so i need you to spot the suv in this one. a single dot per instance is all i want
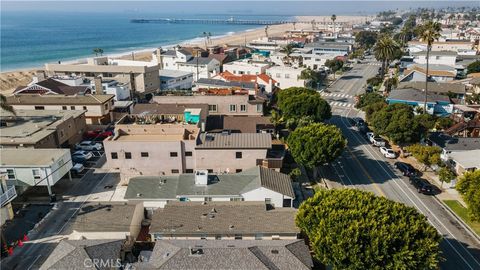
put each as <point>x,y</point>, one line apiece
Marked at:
<point>370,136</point>
<point>422,185</point>
<point>378,141</point>
<point>406,169</point>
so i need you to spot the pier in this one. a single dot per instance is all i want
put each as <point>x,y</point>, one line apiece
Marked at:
<point>214,21</point>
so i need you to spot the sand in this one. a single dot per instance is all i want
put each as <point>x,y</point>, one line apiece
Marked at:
<point>11,80</point>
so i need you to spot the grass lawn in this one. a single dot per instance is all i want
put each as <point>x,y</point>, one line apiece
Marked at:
<point>462,213</point>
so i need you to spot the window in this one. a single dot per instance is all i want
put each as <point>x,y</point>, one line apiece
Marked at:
<point>36,174</point>
<point>243,108</point>
<point>238,237</point>
<point>175,171</point>
<point>218,237</point>
<point>144,154</point>
<point>84,108</point>
<point>11,174</point>
<point>238,155</point>
<point>64,108</point>
<point>258,236</point>
<point>212,108</point>
<point>233,108</point>
<point>173,154</point>
<point>259,107</point>
<point>238,170</point>
<point>106,106</point>
<point>210,170</point>
<point>114,155</point>
<point>278,75</point>
<point>72,108</point>
<point>189,171</point>
<point>39,108</point>
<point>207,199</point>
<point>268,200</point>
<point>203,237</point>
<point>287,76</point>
<point>128,155</point>
<point>188,154</point>
<point>236,199</point>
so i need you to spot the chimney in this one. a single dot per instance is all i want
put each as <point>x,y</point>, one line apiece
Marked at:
<point>201,177</point>
<point>98,85</point>
<point>159,57</point>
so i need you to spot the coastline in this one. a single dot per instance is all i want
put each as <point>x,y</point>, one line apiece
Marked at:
<point>11,79</point>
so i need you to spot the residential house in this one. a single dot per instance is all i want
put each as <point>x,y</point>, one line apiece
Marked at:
<point>180,112</point>
<point>107,220</point>
<point>95,254</point>
<point>228,254</point>
<point>267,44</point>
<point>247,67</point>
<point>240,124</point>
<point>335,48</point>
<point>467,120</point>
<point>34,167</point>
<point>454,90</point>
<point>7,194</point>
<point>142,77</point>
<point>175,80</point>
<point>98,108</point>
<point>286,76</point>
<point>227,220</point>
<point>447,58</point>
<point>458,46</point>
<point>436,104</point>
<point>263,81</point>
<point>41,129</point>
<point>202,83</point>
<point>121,91</point>
<point>50,86</point>
<point>436,73</point>
<point>220,101</point>
<point>257,184</point>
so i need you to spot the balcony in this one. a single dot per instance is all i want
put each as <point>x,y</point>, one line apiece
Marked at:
<point>8,196</point>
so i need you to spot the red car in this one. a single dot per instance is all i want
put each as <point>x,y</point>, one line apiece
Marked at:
<point>97,134</point>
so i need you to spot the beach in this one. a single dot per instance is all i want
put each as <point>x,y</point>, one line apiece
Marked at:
<point>10,80</point>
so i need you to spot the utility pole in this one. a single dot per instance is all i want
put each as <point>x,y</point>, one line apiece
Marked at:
<point>197,63</point>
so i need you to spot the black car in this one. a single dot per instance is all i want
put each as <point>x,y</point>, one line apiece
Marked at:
<point>406,169</point>
<point>422,185</point>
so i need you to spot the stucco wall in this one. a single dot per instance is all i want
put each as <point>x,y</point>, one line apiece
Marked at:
<point>222,160</point>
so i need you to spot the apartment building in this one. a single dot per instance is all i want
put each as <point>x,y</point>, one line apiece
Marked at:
<point>220,101</point>
<point>247,67</point>
<point>97,108</point>
<point>175,80</point>
<point>141,77</point>
<point>458,46</point>
<point>335,48</point>
<point>436,58</point>
<point>286,76</point>
<point>183,60</point>
<point>34,167</point>
<point>42,128</point>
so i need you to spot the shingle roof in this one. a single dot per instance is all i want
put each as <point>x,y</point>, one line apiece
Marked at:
<point>71,254</point>
<point>454,143</point>
<point>410,94</point>
<point>201,61</point>
<point>54,86</point>
<point>434,87</point>
<point>234,141</point>
<point>435,53</point>
<point>434,70</point>
<point>171,187</point>
<point>213,218</point>
<point>58,99</point>
<point>220,83</point>
<point>229,254</point>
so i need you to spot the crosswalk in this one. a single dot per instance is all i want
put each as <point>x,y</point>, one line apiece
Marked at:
<point>373,64</point>
<point>340,104</point>
<point>337,95</point>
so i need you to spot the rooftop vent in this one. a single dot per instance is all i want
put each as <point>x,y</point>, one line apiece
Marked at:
<point>274,251</point>
<point>209,137</point>
<point>201,177</point>
<point>196,251</point>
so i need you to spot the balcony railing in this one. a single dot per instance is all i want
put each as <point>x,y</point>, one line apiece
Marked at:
<point>8,196</point>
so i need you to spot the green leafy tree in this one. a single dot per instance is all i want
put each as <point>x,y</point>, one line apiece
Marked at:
<point>390,83</point>
<point>446,175</point>
<point>373,108</point>
<point>386,49</point>
<point>473,67</point>
<point>334,65</point>
<point>354,229</point>
<point>375,80</point>
<point>333,18</point>
<point>397,21</point>
<point>425,122</point>
<point>312,77</point>
<point>443,123</point>
<point>469,186</point>
<point>428,33</point>
<point>396,121</point>
<point>288,50</point>
<point>5,106</point>
<point>366,39</point>
<point>298,102</point>
<point>367,99</point>
<point>316,144</point>
<point>427,155</point>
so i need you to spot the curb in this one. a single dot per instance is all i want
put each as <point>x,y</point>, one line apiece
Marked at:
<point>459,220</point>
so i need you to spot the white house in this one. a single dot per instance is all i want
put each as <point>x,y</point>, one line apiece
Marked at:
<point>335,48</point>
<point>436,58</point>
<point>286,76</point>
<point>112,87</point>
<point>257,184</point>
<point>175,79</point>
<point>436,73</point>
<point>34,167</point>
<point>266,44</point>
<point>246,66</point>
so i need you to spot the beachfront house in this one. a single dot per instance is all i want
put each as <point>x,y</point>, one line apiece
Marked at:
<point>246,67</point>
<point>286,76</point>
<point>171,79</point>
<point>335,48</point>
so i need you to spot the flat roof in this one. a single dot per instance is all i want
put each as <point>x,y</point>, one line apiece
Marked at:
<point>27,157</point>
<point>149,137</point>
<point>234,141</point>
<point>26,99</point>
<point>31,126</point>
<point>173,73</point>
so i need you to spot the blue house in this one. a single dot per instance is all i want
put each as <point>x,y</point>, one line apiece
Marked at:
<point>436,104</point>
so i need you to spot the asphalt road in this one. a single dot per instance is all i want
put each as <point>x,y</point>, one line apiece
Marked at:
<point>362,166</point>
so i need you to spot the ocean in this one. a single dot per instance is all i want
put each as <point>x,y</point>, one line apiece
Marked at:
<point>33,33</point>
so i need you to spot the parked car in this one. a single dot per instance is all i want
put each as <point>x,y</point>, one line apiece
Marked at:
<point>378,141</point>
<point>97,134</point>
<point>406,169</point>
<point>77,169</point>
<point>388,152</point>
<point>369,89</point>
<point>82,154</point>
<point>89,146</point>
<point>370,136</point>
<point>422,185</point>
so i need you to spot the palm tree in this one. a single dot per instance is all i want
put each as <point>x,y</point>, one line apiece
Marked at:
<point>385,50</point>
<point>288,50</point>
<point>428,33</point>
<point>5,106</point>
<point>97,51</point>
<point>334,18</point>
<point>266,31</point>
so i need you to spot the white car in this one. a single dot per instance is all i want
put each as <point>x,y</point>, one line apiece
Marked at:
<point>370,136</point>
<point>378,141</point>
<point>85,155</point>
<point>387,152</point>
<point>89,146</point>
